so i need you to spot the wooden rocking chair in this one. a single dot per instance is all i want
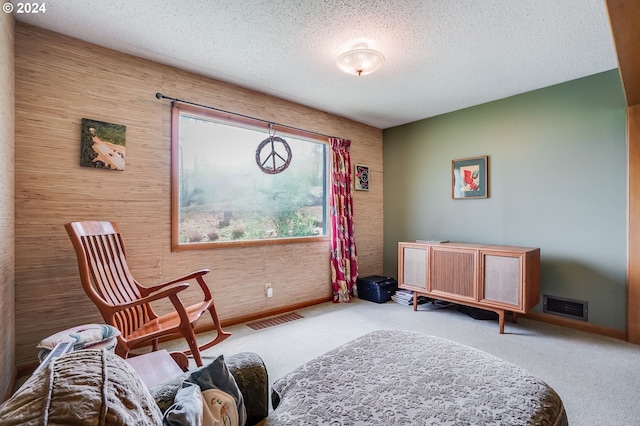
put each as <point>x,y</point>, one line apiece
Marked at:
<point>125,304</point>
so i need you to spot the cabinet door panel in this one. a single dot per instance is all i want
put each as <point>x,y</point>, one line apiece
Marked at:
<point>414,266</point>
<point>502,279</point>
<point>454,272</point>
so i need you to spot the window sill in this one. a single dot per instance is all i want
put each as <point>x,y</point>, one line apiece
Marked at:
<point>252,243</point>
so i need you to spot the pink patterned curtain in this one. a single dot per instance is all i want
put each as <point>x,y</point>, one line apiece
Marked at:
<point>344,257</point>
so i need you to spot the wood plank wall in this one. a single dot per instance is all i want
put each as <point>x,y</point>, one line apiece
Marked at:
<point>59,81</point>
<point>624,16</point>
<point>633,265</point>
<point>7,281</point>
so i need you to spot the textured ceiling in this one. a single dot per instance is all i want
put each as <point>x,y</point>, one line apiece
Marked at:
<point>441,55</point>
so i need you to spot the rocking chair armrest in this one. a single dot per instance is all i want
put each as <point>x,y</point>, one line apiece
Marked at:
<point>204,287</point>
<point>164,294</point>
<point>193,275</point>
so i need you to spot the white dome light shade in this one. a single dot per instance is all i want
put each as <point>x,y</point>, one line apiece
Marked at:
<point>360,61</point>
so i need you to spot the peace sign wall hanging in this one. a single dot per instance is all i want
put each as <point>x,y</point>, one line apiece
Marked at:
<point>273,155</point>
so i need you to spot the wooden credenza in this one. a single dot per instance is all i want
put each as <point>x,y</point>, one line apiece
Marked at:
<point>496,278</point>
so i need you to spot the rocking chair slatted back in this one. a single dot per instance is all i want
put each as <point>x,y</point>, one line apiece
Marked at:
<point>125,303</point>
<point>110,281</point>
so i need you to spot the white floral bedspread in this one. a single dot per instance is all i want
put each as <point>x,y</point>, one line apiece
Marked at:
<point>408,378</point>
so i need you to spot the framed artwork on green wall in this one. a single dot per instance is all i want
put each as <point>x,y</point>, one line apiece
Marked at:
<point>469,178</point>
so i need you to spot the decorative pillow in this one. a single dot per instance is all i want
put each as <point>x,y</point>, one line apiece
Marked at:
<point>187,410</point>
<point>82,337</point>
<point>219,409</point>
<point>108,345</point>
<point>87,387</point>
<point>165,393</point>
<point>223,401</point>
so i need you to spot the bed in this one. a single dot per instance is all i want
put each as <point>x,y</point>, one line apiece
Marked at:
<point>402,377</point>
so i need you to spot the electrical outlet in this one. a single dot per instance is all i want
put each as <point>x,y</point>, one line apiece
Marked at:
<point>268,290</point>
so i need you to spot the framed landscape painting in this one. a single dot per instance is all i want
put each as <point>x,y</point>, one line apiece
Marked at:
<point>102,145</point>
<point>469,178</point>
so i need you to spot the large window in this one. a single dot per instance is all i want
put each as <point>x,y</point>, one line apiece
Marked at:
<point>220,194</point>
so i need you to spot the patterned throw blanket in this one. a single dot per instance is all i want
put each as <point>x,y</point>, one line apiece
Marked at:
<point>409,378</point>
<point>88,387</point>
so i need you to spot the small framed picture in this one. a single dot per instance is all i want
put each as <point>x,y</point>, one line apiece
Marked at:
<point>469,178</point>
<point>102,145</point>
<point>361,177</point>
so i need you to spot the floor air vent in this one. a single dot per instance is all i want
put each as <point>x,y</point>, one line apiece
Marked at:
<point>570,308</point>
<point>270,322</point>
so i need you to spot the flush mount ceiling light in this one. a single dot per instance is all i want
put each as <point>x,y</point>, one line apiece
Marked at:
<point>360,60</point>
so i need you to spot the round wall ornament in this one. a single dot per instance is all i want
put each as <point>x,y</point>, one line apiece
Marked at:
<point>273,155</point>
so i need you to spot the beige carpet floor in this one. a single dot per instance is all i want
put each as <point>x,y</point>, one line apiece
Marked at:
<point>597,377</point>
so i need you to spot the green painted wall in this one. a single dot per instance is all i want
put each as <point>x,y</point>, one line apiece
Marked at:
<point>557,180</point>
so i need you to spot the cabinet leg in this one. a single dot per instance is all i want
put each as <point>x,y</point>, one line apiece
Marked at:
<point>514,317</point>
<point>415,301</point>
<point>501,321</point>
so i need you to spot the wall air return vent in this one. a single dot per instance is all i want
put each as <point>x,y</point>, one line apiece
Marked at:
<point>570,308</point>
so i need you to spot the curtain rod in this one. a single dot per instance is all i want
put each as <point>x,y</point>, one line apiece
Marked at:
<point>161,96</point>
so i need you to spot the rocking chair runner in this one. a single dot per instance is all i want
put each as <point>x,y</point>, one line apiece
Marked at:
<point>125,304</point>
